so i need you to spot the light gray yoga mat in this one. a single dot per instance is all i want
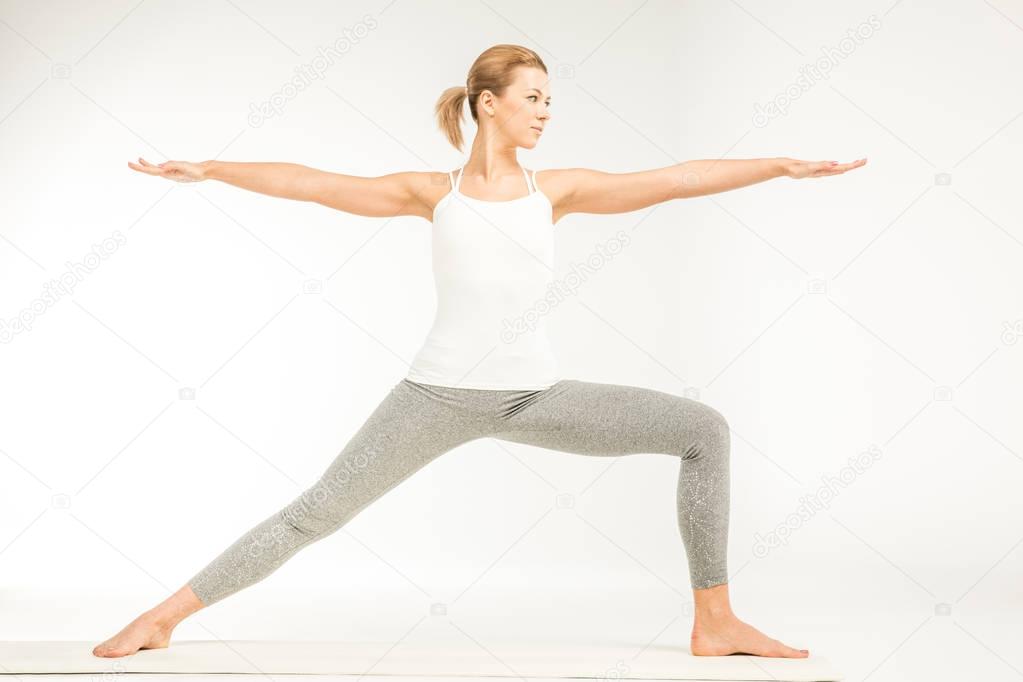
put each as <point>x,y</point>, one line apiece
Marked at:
<point>384,658</point>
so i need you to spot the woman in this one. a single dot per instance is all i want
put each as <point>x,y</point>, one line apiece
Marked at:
<point>482,371</point>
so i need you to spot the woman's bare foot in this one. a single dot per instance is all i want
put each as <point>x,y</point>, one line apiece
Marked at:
<point>145,632</point>
<point>152,630</point>
<point>721,635</point>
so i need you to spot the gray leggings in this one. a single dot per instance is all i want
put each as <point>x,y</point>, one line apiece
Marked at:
<point>416,423</point>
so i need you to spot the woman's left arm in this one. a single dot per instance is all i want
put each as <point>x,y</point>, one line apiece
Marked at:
<point>582,190</point>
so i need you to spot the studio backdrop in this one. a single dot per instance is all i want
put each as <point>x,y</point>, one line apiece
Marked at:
<point>180,360</point>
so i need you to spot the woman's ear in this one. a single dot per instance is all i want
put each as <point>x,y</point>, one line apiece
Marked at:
<point>485,104</point>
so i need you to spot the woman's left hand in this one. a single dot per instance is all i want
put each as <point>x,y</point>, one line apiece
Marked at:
<point>816,169</point>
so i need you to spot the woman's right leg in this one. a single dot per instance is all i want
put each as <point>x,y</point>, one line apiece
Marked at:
<point>410,428</point>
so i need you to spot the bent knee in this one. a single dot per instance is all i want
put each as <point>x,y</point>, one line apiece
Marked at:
<point>709,435</point>
<point>719,424</point>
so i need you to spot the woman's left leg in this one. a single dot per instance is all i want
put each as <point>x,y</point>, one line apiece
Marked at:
<point>609,419</point>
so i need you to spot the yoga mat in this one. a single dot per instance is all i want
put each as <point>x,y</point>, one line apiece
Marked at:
<point>386,658</point>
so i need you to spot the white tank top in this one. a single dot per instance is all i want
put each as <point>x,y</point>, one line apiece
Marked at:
<point>493,262</point>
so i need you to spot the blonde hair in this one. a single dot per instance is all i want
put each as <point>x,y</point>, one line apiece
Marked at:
<point>492,70</point>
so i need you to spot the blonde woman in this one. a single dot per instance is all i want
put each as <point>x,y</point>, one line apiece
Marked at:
<point>479,376</point>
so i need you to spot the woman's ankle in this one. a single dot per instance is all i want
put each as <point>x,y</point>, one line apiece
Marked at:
<point>162,618</point>
<point>175,608</point>
<point>712,603</point>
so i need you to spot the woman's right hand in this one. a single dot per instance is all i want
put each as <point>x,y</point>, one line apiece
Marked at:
<point>179,171</point>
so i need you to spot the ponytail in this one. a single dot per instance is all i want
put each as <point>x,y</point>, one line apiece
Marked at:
<point>449,114</point>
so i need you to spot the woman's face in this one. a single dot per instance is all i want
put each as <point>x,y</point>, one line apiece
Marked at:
<point>521,114</point>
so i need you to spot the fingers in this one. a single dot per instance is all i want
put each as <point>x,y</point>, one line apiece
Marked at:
<point>834,168</point>
<point>144,166</point>
<point>842,167</point>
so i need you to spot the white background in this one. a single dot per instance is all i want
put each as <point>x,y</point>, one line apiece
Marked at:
<point>823,317</point>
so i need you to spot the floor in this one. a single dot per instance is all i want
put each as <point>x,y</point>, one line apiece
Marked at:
<point>978,640</point>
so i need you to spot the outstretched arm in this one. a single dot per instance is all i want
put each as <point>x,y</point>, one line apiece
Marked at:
<point>384,196</point>
<point>581,190</point>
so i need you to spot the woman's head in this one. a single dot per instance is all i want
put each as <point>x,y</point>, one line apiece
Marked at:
<point>508,93</point>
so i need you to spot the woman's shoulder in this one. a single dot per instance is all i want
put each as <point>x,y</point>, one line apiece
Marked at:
<point>556,183</point>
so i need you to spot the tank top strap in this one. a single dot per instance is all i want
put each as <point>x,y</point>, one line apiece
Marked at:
<point>533,174</point>
<point>456,181</point>
<point>529,185</point>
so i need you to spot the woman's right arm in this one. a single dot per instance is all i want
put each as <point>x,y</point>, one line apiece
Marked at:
<point>405,193</point>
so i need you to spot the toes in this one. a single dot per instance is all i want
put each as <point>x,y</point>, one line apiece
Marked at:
<point>782,650</point>
<point>107,651</point>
